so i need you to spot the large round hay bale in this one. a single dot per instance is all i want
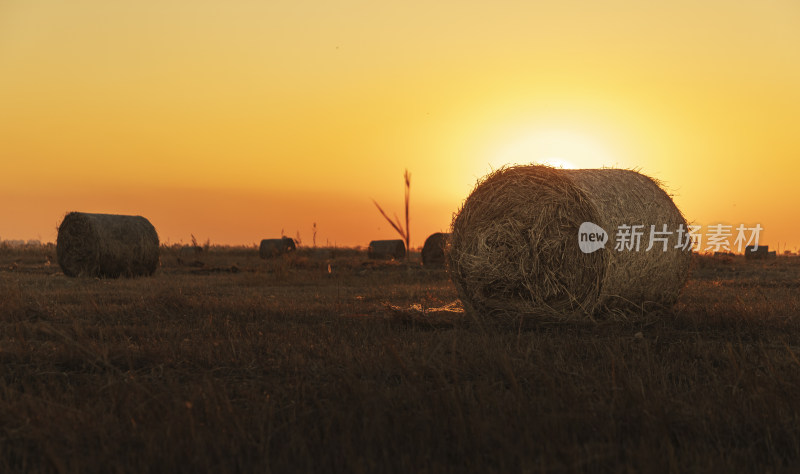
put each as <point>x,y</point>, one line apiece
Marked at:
<point>387,249</point>
<point>273,247</point>
<point>514,247</point>
<point>434,249</point>
<point>106,245</point>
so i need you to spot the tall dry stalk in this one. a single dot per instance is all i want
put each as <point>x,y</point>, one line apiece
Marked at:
<point>396,224</point>
<point>407,178</point>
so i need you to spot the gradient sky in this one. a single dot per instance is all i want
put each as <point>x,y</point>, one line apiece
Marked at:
<point>235,121</point>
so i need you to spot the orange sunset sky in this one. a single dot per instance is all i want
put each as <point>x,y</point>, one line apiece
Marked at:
<point>234,121</point>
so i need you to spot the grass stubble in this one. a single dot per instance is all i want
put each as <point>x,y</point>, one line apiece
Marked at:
<point>235,364</point>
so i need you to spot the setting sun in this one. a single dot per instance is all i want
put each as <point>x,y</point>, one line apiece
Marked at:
<point>557,163</point>
<point>557,148</point>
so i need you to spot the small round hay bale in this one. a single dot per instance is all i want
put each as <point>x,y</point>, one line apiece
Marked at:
<point>434,249</point>
<point>273,247</point>
<point>106,245</point>
<point>190,250</point>
<point>387,249</point>
<point>514,247</point>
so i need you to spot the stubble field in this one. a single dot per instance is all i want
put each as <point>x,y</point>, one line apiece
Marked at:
<point>325,361</point>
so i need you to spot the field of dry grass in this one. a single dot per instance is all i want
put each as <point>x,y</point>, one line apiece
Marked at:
<point>223,362</point>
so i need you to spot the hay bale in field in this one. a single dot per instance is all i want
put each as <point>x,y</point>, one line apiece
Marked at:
<point>761,252</point>
<point>274,247</point>
<point>514,246</point>
<point>190,250</point>
<point>106,245</point>
<point>434,249</point>
<point>387,249</point>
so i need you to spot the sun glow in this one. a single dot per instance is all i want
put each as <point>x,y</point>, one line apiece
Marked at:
<point>557,163</point>
<point>557,148</point>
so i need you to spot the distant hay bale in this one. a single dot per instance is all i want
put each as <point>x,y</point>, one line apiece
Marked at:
<point>434,248</point>
<point>761,252</point>
<point>514,247</point>
<point>106,245</point>
<point>190,250</point>
<point>387,249</point>
<point>273,247</point>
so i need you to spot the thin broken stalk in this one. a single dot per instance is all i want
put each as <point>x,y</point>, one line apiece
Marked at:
<point>396,224</point>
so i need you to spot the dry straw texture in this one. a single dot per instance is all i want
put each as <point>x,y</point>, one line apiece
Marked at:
<point>106,245</point>
<point>433,250</point>
<point>387,249</point>
<point>274,247</point>
<point>514,246</point>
